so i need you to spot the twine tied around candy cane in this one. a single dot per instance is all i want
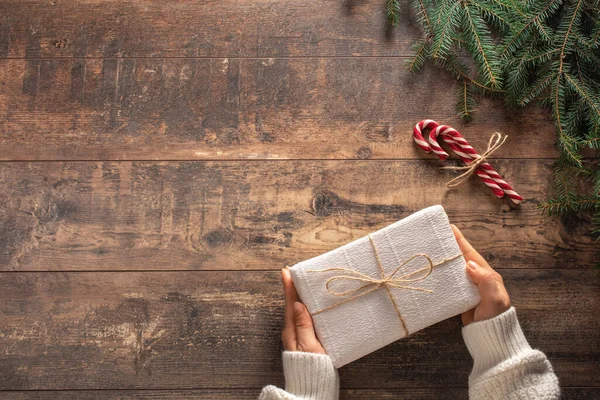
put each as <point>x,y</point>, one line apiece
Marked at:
<point>494,144</point>
<point>388,281</point>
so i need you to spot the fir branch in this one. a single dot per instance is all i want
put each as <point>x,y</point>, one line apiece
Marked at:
<point>465,103</point>
<point>536,89</point>
<point>481,48</point>
<point>584,93</point>
<point>460,72</point>
<point>419,58</point>
<point>563,49</point>
<point>423,16</point>
<point>593,143</point>
<point>557,206</point>
<point>448,23</point>
<point>569,145</point>
<point>494,15</point>
<point>393,12</point>
<point>541,57</point>
<point>514,41</point>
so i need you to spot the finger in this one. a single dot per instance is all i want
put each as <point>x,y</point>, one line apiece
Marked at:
<point>494,297</point>
<point>306,338</point>
<point>291,297</point>
<point>468,251</point>
<point>305,331</point>
<point>487,280</point>
<point>288,336</point>
<point>288,285</point>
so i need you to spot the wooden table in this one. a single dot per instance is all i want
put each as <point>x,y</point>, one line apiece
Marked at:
<point>162,160</point>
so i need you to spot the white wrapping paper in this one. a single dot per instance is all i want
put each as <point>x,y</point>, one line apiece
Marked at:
<point>362,325</point>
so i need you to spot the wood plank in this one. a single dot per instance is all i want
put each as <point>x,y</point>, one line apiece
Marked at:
<point>190,109</point>
<point>192,28</point>
<point>252,394</point>
<point>194,330</point>
<point>260,215</point>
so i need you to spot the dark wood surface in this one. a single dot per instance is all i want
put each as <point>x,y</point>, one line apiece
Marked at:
<point>260,214</point>
<point>160,161</point>
<point>358,394</point>
<point>273,108</point>
<point>221,329</point>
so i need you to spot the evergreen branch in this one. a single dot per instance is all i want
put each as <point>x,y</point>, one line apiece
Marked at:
<point>593,143</point>
<point>543,30</point>
<point>569,30</point>
<point>517,9</point>
<point>555,206</point>
<point>393,12</point>
<point>450,66</point>
<point>542,56</point>
<point>584,93</point>
<point>419,58</point>
<point>552,6</point>
<point>493,15</point>
<point>568,144</point>
<point>481,50</point>
<point>440,12</point>
<point>443,36</point>
<point>465,102</point>
<point>537,88</point>
<point>422,10</point>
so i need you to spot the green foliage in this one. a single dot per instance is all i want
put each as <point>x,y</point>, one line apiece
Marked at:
<point>544,52</point>
<point>393,11</point>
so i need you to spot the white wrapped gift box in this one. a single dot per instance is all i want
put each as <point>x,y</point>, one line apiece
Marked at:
<point>358,306</point>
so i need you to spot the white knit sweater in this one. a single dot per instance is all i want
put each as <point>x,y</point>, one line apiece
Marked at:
<point>505,367</point>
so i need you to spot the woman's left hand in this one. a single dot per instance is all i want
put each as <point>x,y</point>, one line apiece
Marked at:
<point>298,331</point>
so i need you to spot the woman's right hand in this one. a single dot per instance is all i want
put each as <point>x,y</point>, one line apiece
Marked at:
<point>494,297</point>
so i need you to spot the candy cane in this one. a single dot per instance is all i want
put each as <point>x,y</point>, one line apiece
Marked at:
<point>466,153</point>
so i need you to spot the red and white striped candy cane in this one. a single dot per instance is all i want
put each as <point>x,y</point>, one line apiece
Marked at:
<point>466,153</point>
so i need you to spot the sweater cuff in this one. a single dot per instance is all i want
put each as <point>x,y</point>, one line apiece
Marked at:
<point>494,340</point>
<point>310,375</point>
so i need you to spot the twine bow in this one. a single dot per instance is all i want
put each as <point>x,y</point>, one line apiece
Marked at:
<point>387,281</point>
<point>496,140</point>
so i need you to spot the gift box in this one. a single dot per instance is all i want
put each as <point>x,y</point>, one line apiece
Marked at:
<point>380,288</point>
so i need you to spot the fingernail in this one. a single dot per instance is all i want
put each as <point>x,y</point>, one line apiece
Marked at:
<point>473,265</point>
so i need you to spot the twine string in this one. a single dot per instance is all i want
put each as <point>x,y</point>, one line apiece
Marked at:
<point>496,141</point>
<point>368,284</point>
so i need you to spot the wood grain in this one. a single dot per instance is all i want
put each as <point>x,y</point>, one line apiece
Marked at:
<point>252,394</point>
<point>139,251</point>
<point>222,330</point>
<point>192,28</point>
<point>260,215</point>
<point>195,109</point>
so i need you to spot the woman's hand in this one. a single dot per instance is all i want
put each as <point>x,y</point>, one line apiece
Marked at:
<point>298,332</point>
<point>494,297</point>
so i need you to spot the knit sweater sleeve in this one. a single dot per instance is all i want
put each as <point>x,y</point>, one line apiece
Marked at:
<point>505,366</point>
<point>308,376</point>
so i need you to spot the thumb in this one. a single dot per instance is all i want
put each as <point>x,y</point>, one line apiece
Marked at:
<point>494,298</point>
<point>305,332</point>
<point>484,278</point>
<point>302,319</point>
